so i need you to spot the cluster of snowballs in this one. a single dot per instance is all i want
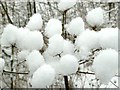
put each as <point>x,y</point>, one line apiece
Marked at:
<point>59,57</point>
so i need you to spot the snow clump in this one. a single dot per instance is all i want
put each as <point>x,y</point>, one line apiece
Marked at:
<point>54,26</point>
<point>34,60</point>
<point>108,38</point>
<point>95,17</point>
<point>105,65</point>
<point>66,4</point>
<point>68,64</point>
<point>43,76</point>
<point>35,22</point>
<point>29,40</point>
<point>55,45</point>
<point>8,37</point>
<point>76,26</point>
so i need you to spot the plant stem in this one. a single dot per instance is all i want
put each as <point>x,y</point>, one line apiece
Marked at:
<point>66,82</point>
<point>63,24</point>
<point>12,66</point>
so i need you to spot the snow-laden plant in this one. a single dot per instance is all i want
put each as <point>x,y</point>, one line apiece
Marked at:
<point>31,39</point>
<point>43,76</point>
<point>95,17</point>
<point>68,64</point>
<point>55,45</point>
<point>34,60</point>
<point>105,65</point>
<point>61,56</point>
<point>8,37</point>
<point>76,26</point>
<point>52,29</point>
<point>108,38</point>
<point>68,47</point>
<point>66,4</point>
<point>35,22</point>
<point>86,41</point>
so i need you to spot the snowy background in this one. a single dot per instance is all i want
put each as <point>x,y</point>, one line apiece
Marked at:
<point>59,44</point>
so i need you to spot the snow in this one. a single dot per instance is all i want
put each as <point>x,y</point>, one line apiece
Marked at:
<point>108,38</point>
<point>83,53</point>
<point>118,40</point>
<point>44,76</point>
<point>2,64</point>
<point>56,66</point>
<point>54,26</point>
<point>34,60</point>
<point>105,65</point>
<point>68,47</point>
<point>55,45</point>
<point>9,35</point>
<point>88,39</point>
<point>25,38</point>
<point>21,34</point>
<point>49,58</point>
<point>68,64</point>
<point>66,4</point>
<point>22,55</point>
<point>95,17</point>
<point>35,22</point>
<point>76,26</point>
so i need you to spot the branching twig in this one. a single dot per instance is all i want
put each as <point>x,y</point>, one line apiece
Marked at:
<point>81,72</point>
<point>4,71</point>
<point>115,84</point>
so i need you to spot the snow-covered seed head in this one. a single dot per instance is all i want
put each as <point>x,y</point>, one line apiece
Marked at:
<point>95,17</point>
<point>68,64</point>
<point>35,22</point>
<point>105,65</point>
<point>44,76</point>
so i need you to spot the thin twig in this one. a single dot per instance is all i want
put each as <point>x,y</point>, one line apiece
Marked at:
<point>115,84</point>
<point>81,72</point>
<point>4,71</point>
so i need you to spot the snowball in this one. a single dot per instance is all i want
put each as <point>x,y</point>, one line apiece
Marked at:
<point>108,38</point>
<point>87,39</point>
<point>54,26</point>
<point>66,4</point>
<point>95,17</point>
<point>105,65</point>
<point>35,22</point>
<point>34,61</point>
<point>68,64</point>
<point>29,40</point>
<point>68,47</point>
<point>9,35</point>
<point>55,45</point>
<point>76,26</point>
<point>2,64</point>
<point>22,55</point>
<point>44,76</point>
